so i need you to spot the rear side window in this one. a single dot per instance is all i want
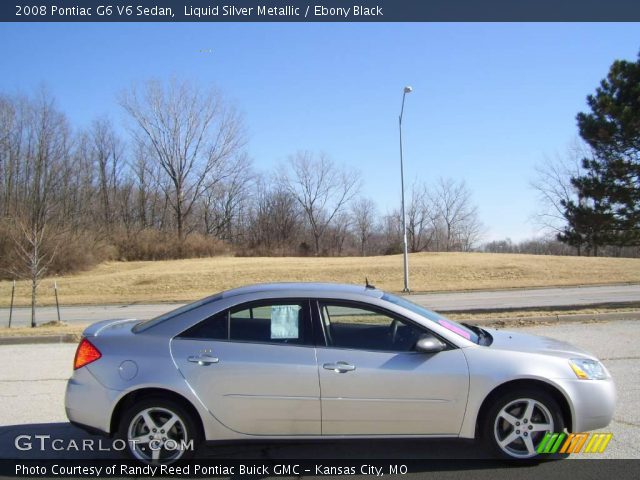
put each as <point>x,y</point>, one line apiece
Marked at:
<point>152,322</point>
<point>213,328</point>
<point>264,322</point>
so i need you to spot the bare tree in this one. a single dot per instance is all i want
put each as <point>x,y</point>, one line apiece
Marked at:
<point>392,233</point>
<point>338,232</point>
<point>224,197</point>
<point>470,233</point>
<point>75,195</point>
<point>32,257</point>
<point>13,118</point>
<point>457,217</point>
<point>7,159</point>
<point>552,183</point>
<point>275,219</point>
<point>363,213</point>
<point>192,132</point>
<point>322,189</point>
<point>106,152</point>
<point>420,219</point>
<point>43,151</point>
<point>146,177</point>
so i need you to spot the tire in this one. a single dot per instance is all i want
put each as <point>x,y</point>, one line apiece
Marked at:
<point>152,443</point>
<point>517,422</point>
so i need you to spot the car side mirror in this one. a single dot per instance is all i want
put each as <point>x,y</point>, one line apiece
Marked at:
<point>430,344</point>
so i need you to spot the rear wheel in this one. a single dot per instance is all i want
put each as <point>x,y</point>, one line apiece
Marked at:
<point>159,431</point>
<point>518,421</point>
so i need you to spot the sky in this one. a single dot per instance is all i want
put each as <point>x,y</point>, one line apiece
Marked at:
<point>490,101</point>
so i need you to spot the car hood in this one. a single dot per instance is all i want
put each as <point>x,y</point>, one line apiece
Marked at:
<point>524,342</point>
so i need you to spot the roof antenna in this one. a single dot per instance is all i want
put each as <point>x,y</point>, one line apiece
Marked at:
<point>368,285</point>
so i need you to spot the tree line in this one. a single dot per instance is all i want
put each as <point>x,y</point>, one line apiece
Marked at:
<point>180,183</point>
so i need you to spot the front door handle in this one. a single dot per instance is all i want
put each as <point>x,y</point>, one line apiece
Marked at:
<point>203,359</point>
<point>339,367</point>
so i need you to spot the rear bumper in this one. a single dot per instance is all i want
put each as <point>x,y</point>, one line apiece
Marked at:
<point>592,403</point>
<point>88,404</point>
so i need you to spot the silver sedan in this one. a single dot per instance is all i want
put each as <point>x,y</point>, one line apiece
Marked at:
<point>283,361</point>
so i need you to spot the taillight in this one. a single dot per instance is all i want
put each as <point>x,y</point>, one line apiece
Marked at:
<point>85,354</point>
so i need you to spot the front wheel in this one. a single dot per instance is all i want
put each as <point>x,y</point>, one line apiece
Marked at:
<point>518,421</point>
<point>159,431</point>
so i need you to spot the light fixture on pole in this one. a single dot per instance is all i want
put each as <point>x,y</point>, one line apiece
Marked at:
<point>407,89</point>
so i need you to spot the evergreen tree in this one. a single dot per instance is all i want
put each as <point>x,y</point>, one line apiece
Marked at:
<point>609,210</point>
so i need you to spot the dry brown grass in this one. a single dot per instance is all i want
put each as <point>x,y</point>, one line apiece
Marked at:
<point>183,280</point>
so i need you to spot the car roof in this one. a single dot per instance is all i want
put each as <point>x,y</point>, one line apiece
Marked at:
<point>305,288</point>
<point>293,289</point>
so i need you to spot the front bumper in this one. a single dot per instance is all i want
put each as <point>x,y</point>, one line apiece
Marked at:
<point>592,403</point>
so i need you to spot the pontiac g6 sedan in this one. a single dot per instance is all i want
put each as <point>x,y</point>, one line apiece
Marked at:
<point>310,361</point>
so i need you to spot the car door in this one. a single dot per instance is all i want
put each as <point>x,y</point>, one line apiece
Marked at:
<point>254,367</point>
<point>373,382</point>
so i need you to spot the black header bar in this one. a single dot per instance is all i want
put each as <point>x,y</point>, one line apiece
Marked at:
<point>320,11</point>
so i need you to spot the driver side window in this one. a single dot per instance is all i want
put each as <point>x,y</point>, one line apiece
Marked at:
<point>362,328</point>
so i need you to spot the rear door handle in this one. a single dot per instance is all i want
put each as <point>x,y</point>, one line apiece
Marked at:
<point>203,359</point>
<point>339,367</point>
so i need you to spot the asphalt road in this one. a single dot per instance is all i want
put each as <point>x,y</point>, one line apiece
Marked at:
<point>537,297</point>
<point>33,377</point>
<point>476,300</point>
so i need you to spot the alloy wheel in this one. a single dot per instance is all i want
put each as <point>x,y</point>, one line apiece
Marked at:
<point>157,435</point>
<point>520,426</point>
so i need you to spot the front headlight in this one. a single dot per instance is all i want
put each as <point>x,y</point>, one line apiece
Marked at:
<point>588,369</point>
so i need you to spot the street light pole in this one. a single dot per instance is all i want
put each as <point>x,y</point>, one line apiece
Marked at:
<point>407,89</point>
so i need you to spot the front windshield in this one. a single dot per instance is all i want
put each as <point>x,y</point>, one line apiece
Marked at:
<point>450,325</point>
